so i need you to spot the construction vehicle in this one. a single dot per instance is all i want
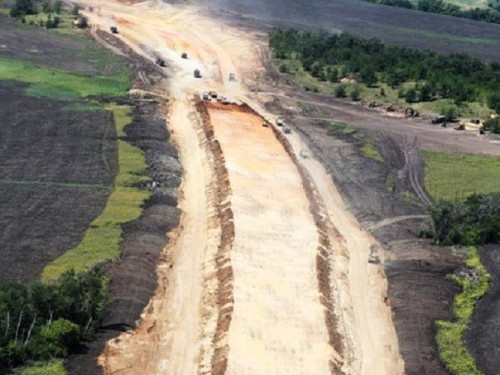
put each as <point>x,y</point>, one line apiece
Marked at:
<point>459,127</point>
<point>438,119</point>
<point>280,122</point>
<point>390,108</point>
<point>160,62</point>
<point>213,94</point>
<point>206,96</point>
<point>287,130</point>
<point>410,112</point>
<point>232,77</point>
<point>184,55</point>
<point>373,258</point>
<point>197,73</point>
<point>372,104</point>
<point>265,125</point>
<point>113,29</point>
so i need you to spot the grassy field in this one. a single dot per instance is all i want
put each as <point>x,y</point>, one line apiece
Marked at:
<point>102,240</point>
<point>61,85</point>
<point>451,335</point>
<point>45,368</point>
<point>455,176</point>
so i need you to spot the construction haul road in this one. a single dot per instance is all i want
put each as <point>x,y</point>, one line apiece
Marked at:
<point>270,271</point>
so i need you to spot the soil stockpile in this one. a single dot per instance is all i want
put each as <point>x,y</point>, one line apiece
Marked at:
<point>56,171</point>
<point>133,278</point>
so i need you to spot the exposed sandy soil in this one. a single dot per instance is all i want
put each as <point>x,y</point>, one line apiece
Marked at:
<point>225,305</point>
<point>278,324</point>
<point>177,328</point>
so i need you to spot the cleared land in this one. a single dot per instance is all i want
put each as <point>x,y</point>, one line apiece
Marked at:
<point>391,24</point>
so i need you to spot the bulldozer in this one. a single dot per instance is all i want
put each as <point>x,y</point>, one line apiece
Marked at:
<point>410,112</point>
<point>197,73</point>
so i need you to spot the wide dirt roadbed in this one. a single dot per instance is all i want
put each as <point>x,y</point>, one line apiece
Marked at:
<point>278,323</point>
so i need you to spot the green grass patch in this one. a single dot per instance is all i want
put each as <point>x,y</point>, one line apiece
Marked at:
<point>102,240</point>
<point>85,107</point>
<point>369,150</point>
<point>43,90</point>
<point>453,176</point>
<point>43,368</point>
<point>451,335</point>
<point>340,128</point>
<point>54,82</point>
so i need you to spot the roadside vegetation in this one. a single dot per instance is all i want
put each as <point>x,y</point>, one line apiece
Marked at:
<point>351,67</point>
<point>451,335</point>
<point>51,15</point>
<point>102,240</point>
<point>466,214</point>
<point>42,322</point>
<point>490,12</point>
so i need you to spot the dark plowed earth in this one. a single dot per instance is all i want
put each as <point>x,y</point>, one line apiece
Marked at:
<point>484,333</point>
<point>36,45</point>
<point>415,270</point>
<point>393,25</point>
<point>55,178</point>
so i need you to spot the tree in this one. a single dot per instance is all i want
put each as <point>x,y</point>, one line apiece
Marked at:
<point>411,96</point>
<point>494,102</point>
<point>332,74</point>
<point>58,6</point>
<point>22,8</point>
<point>425,93</point>
<point>355,94</point>
<point>283,68</point>
<point>75,10</point>
<point>368,76</point>
<point>340,91</point>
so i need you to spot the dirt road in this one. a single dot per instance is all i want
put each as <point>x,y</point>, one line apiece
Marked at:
<point>296,294</point>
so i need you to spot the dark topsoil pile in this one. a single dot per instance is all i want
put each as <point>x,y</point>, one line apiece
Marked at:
<point>133,277</point>
<point>418,292</point>
<point>56,169</point>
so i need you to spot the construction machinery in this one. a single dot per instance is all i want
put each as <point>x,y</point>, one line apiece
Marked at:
<point>114,29</point>
<point>410,112</point>
<point>287,130</point>
<point>232,77</point>
<point>438,120</point>
<point>206,96</point>
<point>280,122</point>
<point>373,258</point>
<point>160,62</point>
<point>184,55</point>
<point>197,73</point>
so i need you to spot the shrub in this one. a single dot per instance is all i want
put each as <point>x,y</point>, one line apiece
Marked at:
<point>340,91</point>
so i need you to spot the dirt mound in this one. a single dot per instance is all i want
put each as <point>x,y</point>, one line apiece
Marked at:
<point>133,278</point>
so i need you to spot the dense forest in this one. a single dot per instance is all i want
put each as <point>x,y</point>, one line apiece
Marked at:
<point>46,321</point>
<point>490,14</point>
<point>332,56</point>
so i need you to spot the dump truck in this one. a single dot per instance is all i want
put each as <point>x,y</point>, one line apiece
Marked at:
<point>160,62</point>
<point>184,55</point>
<point>213,94</point>
<point>287,130</point>
<point>114,29</point>
<point>197,73</point>
<point>206,96</point>
<point>438,120</point>
<point>232,77</point>
<point>280,122</point>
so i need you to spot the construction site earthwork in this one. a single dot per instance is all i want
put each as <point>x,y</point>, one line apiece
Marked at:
<point>269,245</point>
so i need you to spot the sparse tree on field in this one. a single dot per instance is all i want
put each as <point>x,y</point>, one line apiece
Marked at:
<point>340,91</point>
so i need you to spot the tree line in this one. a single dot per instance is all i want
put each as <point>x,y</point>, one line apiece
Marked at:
<point>475,221</point>
<point>327,56</point>
<point>489,14</point>
<point>46,321</point>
